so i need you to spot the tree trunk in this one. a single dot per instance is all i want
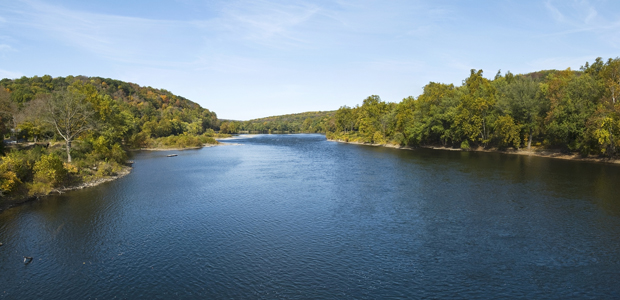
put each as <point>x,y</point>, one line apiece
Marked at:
<point>68,151</point>
<point>529,141</point>
<point>611,142</point>
<point>484,128</point>
<point>14,129</point>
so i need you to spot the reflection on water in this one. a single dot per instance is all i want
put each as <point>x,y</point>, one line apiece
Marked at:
<point>295,216</point>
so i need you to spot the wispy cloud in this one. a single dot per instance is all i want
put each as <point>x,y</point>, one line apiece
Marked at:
<point>580,16</point>
<point>576,14</point>
<point>113,37</point>
<point>555,13</point>
<point>559,63</point>
<point>230,50</point>
<point>173,43</point>
<point>10,74</point>
<point>267,21</point>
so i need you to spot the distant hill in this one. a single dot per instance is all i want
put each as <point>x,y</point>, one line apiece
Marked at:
<point>157,112</point>
<point>66,131</point>
<point>309,122</point>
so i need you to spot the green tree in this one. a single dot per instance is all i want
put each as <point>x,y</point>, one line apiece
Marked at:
<point>344,119</point>
<point>432,115</point>
<point>606,120</point>
<point>475,109</point>
<point>8,110</point>
<point>573,99</point>
<point>519,97</point>
<point>70,115</point>
<point>507,132</point>
<point>369,119</point>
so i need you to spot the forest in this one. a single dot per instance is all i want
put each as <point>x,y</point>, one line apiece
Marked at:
<point>65,130</point>
<point>567,111</point>
<point>307,122</point>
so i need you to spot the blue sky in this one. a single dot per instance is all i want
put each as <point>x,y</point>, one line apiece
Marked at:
<point>249,59</point>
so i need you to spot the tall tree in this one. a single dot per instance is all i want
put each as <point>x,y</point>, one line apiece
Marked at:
<point>8,109</point>
<point>370,123</point>
<point>605,123</point>
<point>518,96</point>
<point>573,98</point>
<point>344,118</point>
<point>70,114</point>
<point>474,111</point>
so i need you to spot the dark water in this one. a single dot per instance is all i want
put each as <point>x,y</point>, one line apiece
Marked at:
<point>298,217</point>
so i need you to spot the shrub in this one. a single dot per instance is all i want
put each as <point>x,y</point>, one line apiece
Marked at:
<point>39,188</point>
<point>209,132</point>
<point>399,138</point>
<point>50,169</point>
<point>17,162</point>
<point>208,140</point>
<point>465,145</point>
<point>377,138</point>
<point>107,169</point>
<point>8,181</point>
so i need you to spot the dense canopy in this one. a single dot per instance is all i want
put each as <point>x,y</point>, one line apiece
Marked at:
<point>87,125</point>
<point>573,111</point>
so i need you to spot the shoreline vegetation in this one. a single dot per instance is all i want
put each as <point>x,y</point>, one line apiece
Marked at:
<point>556,154</point>
<point>11,202</point>
<point>572,114</point>
<point>63,133</point>
<point>566,114</point>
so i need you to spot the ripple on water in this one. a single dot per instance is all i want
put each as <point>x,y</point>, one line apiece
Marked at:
<point>298,217</point>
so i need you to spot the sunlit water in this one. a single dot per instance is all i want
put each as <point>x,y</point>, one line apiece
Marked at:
<point>299,217</point>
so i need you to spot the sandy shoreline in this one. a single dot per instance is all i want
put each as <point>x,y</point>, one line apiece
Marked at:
<point>538,153</point>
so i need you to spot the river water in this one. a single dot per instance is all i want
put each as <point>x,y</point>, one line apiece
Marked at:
<point>299,217</point>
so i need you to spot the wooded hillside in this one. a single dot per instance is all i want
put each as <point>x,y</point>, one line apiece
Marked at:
<point>66,129</point>
<point>307,122</point>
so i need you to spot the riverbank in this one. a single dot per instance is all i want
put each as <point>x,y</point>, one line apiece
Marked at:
<point>7,203</point>
<point>534,152</point>
<point>175,149</point>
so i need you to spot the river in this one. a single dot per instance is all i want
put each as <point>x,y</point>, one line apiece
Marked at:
<point>299,217</point>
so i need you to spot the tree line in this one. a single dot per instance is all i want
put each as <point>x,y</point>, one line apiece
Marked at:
<point>568,110</point>
<point>307,122</point>
<point>76,128</point>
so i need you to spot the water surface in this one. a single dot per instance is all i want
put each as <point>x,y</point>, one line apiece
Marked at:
<point>299,217</point>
